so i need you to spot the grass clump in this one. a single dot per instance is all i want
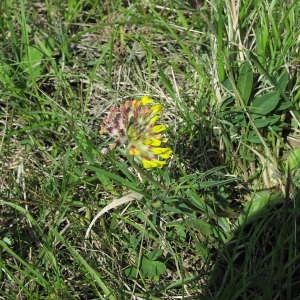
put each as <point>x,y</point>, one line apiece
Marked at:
<point>225,204</point>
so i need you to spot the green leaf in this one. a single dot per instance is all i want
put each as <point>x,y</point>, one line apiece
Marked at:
<point>202,249</point>
<point>253,138</point>
<point>262,38</point>
<point>45,45</point>
<point>221,65</point>
<point>284,106</point>
<point>167,83</point>
<point>261,122</point>
<point>177,231</point>
<point>245,81</point>
<point>294,159</point>
<point>5,75</point>
<point>224,223</point>
<point>264,104</point>
<point>101,173</point>
<point>227,84</point>
<point>131,272</point>
<point>155,254</point>
<point>152,269</point>
<point>198,202</point>
<point>283,81</point>
<point>32,62</point>
<point>106,182</point>
<point>259,202</point>
<point>200,225</point>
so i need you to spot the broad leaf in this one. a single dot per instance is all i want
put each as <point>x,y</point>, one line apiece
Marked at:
<point>257,204</point>
<point>152,268</point>
<point>283,81</point>
<point>264,104</point>
<point>245,81</point>
<point>294,159</point>
<point>261,122</point>
<point>32,62</point>
<point>200,225</point>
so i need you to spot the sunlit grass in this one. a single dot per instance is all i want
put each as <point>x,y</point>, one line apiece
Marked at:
<point>225,203</point>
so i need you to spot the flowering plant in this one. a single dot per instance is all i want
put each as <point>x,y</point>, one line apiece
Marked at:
<point>133,125</point>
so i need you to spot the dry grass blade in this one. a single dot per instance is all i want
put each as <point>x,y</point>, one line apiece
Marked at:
<point>115,203</point>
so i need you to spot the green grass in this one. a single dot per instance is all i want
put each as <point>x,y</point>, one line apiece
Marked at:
<point>220,220</point>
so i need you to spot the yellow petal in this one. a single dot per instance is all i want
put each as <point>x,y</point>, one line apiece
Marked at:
<point>152,142</point>
<point>154,119</point>
<point>157,108</point>
<point>147,164</point>
<point>164,153</point>
<point>158,128</point>
<point>146,100</point>
<point>159,150</point>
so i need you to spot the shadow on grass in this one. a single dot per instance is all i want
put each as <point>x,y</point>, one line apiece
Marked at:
<point>198,148</point>
<point>262,259</point>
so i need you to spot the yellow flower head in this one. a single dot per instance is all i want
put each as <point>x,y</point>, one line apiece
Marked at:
<point>133,126</point>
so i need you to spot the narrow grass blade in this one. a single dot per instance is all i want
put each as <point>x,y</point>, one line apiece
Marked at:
<point>90,271</point>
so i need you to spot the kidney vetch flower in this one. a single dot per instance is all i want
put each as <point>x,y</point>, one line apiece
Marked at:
<point>133,125</point>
